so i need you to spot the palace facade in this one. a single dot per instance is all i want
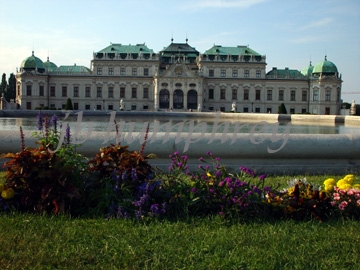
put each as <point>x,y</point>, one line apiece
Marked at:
<point>134,77</point>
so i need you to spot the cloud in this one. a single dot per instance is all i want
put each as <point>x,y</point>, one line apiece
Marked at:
<point>317,24</point>
<point>223,4</point>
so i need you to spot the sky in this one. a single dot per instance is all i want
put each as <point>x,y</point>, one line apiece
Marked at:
<point>290,33</point>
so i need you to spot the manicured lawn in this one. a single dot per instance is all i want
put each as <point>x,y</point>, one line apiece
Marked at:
<point>59,242</point>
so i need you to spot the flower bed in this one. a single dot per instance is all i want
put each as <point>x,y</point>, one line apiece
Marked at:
<point>119,183</point>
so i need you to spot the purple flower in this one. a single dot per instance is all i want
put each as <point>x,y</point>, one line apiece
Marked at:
<point>176,153</point>
<point>54,120</point>
<point>39,121</point>
<point>201,159</point>
<point>67,134</point>
<point>262,177</point>
<point>217,159</point>
<point>209,153</point>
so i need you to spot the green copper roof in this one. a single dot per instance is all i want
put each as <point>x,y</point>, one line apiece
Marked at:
<point>239,50</point>
<point>32,62</point>
<point>307,71</point>
<point>183,48</point>
<point>284,73</point>
<point>325,67</point>
<point>73,69</point>
<point>50,66</point>
<point>119,48</point>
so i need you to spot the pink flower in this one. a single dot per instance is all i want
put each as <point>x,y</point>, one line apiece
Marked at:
<point>336,196</point>
<point>350,192</point>
<point>358,202</point>
<point>342,205</point>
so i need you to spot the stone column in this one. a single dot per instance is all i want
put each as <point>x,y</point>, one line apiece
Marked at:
<point>171,97</point>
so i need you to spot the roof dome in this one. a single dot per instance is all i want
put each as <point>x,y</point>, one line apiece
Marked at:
<point>325,67</point>
<point>32,63</point>
<point>50,66</point>
<point>306,71</point>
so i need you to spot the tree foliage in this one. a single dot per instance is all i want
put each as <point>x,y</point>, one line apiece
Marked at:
<point>282,109</point>
<point>68,105</point>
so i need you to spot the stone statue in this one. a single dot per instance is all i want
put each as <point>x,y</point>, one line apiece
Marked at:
<point>353,108</point>
<point>199,108</point>
<point>122,105</point>
<point>233,107</point>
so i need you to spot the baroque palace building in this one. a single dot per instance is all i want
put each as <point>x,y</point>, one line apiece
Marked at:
<point>178,78</point>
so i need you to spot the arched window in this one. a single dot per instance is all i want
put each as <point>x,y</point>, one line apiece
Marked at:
<point>192,99</point>
<point>164,99</point>
<point>178,99</point>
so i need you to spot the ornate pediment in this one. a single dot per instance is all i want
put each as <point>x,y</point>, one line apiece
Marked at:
<point>178,70</point>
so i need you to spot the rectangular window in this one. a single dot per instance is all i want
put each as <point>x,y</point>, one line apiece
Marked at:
<point>211,93</point>
<point>98,107</point>
<point>146,72</point>
<point>211,73</point>
<point>269,95</point>
<point>76,106</point>
<point>304,96</point>
<point>246,73</point>
<point>257,94</point>
<point>222,93</point>
<point>327,95</point>
<point>234,94</point>
<point>111,71</point>
<point>246,94</point>
<point>133,92</point>
<point>122,71</point>
<point>110,107</point>
<point>257,109</point>
<point>246,109</point>
<point>99,92</point>
<point>223,73</point>
<point>99,71</point>
<point>41,91</point>
<point>87,92</point>
<point>52,91</point>
<point>87,107</point>
<point>258,73</point>
<point>292,110</point>
<point>146,92</point>
<point>292,95</point>
<point>234,73</point>
<point>269,110</point>
<point>303,110</point>
<point>145,107</point>
<point>28,90</point>
<point>28,105</point>
<point>134,71</point>
<point>76,91</point>
<point>133,107</point>
<point>111,92</point>
<point>64,91</point>
<point>281,95</point>
<point>122,92</point>
<point>316,95</point>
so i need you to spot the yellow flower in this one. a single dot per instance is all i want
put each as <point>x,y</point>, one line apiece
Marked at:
<point>349,178</point>
<point>8,193</point>
<point>342,182</point>
<point>329,181</point>
<point>356,186</point>
<point>208,174</point>
<point>344,186</point>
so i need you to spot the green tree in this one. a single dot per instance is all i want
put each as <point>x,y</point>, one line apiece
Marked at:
<point>3,84</point>
<point>11,88</point>
<point>282,109</point>
<point>68,105</point>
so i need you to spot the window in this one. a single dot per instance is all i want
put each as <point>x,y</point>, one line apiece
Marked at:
<point>145,107</point>
<point>328,95</point>
<point>122,92</point>
<point>28,105</point>
<point>87,107</point>
<point>133,107</point>
<point>304,96</point>
<point>133,92</point>
<point>111,92</point>
<point>269,95</point>
<point>122,71</point>
<point>111,71</point>
<point>28,90</point>
<point>98,107</point>
<point>87,91</point>
<point>316,95</point>
<point>246,73</point>
<point>99,92</point>
<point>146,72</point>
<point>211,73</point>
<point>146,92</point>
<point>281,95</point>
<point>257,109</point>
<point>292,95</point>
<point>64,91</point>
<point>234,73</point>
<point>303,110</point>
<point>76,106</point>
<point>246,109</point>
<point>234,94</point>
<point>269,110</point>
<point>246,94</point>
<point>258,73</point>
<point>110,107</point>
<point>292,110</point>
<point>41,91</point>
<point>134,71</point>
<point>52,91</point>
<point>338,95</point>
<point>257,94</point>
<point>223,73</point>
<point>222,93</point>
<point>99,71</point>
<point>211,93</point>
<point>76,91</point>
